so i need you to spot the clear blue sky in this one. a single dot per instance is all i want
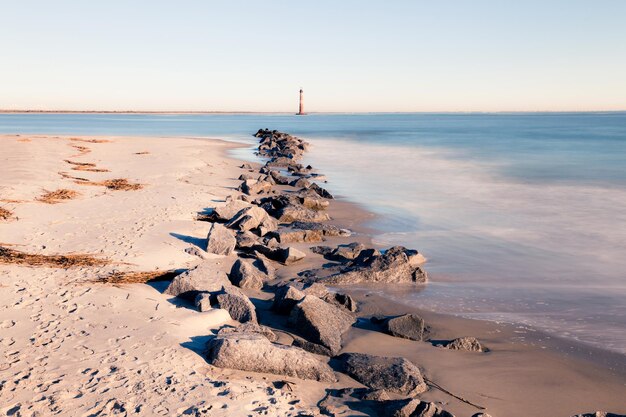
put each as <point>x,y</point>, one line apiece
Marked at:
<point>471,55</point>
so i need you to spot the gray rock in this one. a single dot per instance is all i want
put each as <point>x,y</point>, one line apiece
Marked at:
<point>320,191</point>
<point>220,240</point>
<point>206,277</point>
<point>285,298</point>
<point>320,322</point>
<point>376,395</point>
<point>326,229</point>
<point>293,213</point>
<point>397,264</point>
<point>348,252</point>
<point>253,187</point>
<point>228,210</point>
<point>407,326</point>
<point>396,375</point>
<point>311,347</point>
<point>289,235</point>
<point>246,240</point>
<point>289,255</point>
<point>237,304</point>
<point>300,183</point>
<point>489,415</point>
<point>414,408</point>
<point>341,300</point>
<point>253,217</point>
<point>249,327</point>
<point>470,344</point>
<point>253,352</point>
<point>245,274</point>
<point>203,301</point>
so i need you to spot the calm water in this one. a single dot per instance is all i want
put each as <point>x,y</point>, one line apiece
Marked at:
<point>522,216</point>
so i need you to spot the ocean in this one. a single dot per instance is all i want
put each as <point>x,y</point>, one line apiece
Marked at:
<point>521,215</point>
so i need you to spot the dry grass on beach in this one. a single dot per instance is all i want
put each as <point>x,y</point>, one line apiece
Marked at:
<point>142,153</point>
<point>133,277</point>
<point>117,184</point>
<point>85,166</point>
<point>82,150</point>
<point>5,214</point>
<point>24,140</point>
<point>15,257</point>
<point>54,197</point>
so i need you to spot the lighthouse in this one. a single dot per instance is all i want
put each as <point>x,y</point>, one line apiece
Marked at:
<point>301,108</point>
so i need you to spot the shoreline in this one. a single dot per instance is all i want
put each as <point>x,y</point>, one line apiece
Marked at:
<point>342,211</point>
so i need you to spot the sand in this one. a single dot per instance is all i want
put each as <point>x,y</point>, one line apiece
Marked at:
<point>71,346</point>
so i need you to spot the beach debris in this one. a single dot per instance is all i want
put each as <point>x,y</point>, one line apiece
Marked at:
<point>82,150</point>
<point>397,264</point>
<point>208,276</point>
<point>254,352</point>
<point>249,328</point>
<point>57,196</point>
<point>85,166</point>
<point>393,374</point>
<point>220,240</point>
<point>5,214</point>
<point>91,140</point>
<point>407,326</point>
<point>237,304</point>
<point>320,322</point>
<point>142,153</point>
<point>119,184</point>
<point>246,274</point>
<point>70,260</point>
<point>134,277</point>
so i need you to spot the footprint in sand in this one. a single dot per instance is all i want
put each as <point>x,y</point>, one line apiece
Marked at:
<point>7,324</point>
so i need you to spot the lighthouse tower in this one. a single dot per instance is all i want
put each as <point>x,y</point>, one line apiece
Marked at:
<point>301,108</point>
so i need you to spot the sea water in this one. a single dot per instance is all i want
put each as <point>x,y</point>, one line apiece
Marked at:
<point>521,216</point>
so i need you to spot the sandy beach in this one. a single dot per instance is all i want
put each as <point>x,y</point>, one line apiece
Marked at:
<point>76,342</point>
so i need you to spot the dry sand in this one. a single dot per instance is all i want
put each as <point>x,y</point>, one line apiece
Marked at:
<point>72,347</point>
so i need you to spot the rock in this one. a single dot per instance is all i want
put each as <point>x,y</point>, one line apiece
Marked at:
<point>396,375</point>
<point>320,191</point>
<point>376,395</point>
<point>600,414</point>
<point>244,177</point>
<point>228,210</point>
<point>253,187</point>
<point>237,304</point>
<point>289,255</point>
<point>251,218</point>
<point>397,264</point>
<point>489,415</point>
<point>293,213</point>
<point>289,235</point>
<point>300,183</point>
<point>249,328</point>
<point>246,166</point>
<point>220,240</point>
<point>320,322</point>
<point>470,344</point>
<point>246,240</point>
<point>341,300</point>
<point>285,298</point>
<point>414,408</point>
<point>245,274</point>
<point>195,251</point>
<point>203,301</point>
<point>407,326</point>
<point>321,250</point>
<point>253,352</point>
<point>311,347</point>
<point>206,277</point>
<point>348,252</point>
<point>316,289</point>
<point>279,179</point>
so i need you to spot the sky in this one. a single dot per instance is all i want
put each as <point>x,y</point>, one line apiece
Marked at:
<point>348,56</point>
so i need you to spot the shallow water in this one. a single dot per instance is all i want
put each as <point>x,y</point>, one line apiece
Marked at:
<point>522,216</point>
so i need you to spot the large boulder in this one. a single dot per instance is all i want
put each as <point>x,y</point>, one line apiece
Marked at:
<point>237,304</point>
<point>253,187</point>
<point>246,240</point>
<point>255,353</point>
<point>348,252</point>
<point>289,235</point>
<point>397,264</point>
<point>396,375</point>
<point>341,300</point>
<point>208,276</point>
<point>245,274</point>
<point>251,218</point>
<point>289,255</point>
<point>407,326</point>
<point>320,322</point>
<point>220,240</point>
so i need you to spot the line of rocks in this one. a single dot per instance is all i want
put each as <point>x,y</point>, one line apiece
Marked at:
<point>280,204</point>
